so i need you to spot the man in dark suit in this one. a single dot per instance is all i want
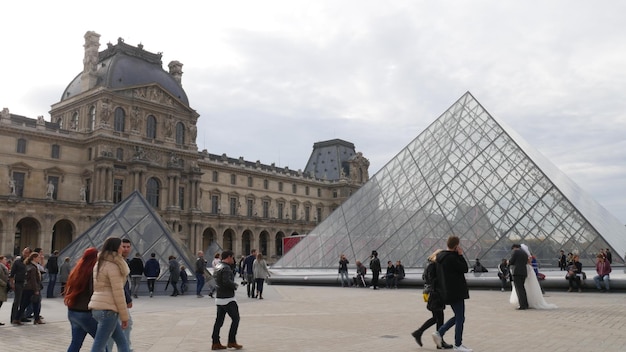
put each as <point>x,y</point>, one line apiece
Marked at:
<point>518,262</point>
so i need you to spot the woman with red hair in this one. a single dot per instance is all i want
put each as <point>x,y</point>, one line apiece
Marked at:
<point>78,290</point>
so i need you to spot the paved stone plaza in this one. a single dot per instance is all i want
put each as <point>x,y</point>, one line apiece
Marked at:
<point>312,318</point>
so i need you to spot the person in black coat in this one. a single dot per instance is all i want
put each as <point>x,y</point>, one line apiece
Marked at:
<point>517,263</point>
<point>451,269</point>
<point>375,268</point>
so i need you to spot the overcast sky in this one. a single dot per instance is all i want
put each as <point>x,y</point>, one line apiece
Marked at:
<point>270,78</point>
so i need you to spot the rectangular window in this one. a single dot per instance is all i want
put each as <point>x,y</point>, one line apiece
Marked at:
<point>307,213</point>
<point>21,146</point>
<point>319,215</point>
<point>281,207</point>
<point>280,186</point>
<point>181,198</point>
<point>266,209</point>
<point>266,184</point>
<point>215,209</point>
<point>319,192</point>
<point>88,153</point>
<point>249,207</point>
<point>306,190</point>
<point>294,188</point>
<point>249,181</point>
<point>19,178</point>
<point>55,152</point>
<point>294,212</point>
<point>119,154</point>
<point>334,193</point>
<point>118,190</point>
<point>53,187</point>
<point>233,206</point>
<point>233,179</point>
<point>215,176</point>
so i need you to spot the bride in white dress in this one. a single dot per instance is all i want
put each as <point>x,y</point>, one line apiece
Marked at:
<point>533,290</point>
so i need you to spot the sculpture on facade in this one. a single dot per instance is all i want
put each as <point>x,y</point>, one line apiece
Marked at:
<point>83,193</point>
<point>49,190</point>
<point>12,186</point>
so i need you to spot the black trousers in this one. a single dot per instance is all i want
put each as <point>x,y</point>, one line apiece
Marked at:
<point>17,301</point>
<point>232,309</point>
<point>518,281</point>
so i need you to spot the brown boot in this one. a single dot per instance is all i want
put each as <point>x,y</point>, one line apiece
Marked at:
<point>234,345</point>
<point>38,321</point>
<point>218,346</point>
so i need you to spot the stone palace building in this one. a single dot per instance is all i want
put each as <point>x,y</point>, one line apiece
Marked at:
<point>125,124</point>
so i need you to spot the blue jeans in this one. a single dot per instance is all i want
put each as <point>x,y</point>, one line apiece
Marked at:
<point>199,283</point>
<point>108,325</point>
<point>52,281</point>
<point>597,279</point>
<point>126,334</point>
<point>345,281</point>
<point>232,309</point>
<point>457,320</point>
<point>82,323</point>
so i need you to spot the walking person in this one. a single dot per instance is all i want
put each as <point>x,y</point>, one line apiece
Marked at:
<point>259,267</point>
<point>108,302</point>
<point>226,302</point>
<point>199,270</point>
<point>517,264</point>
<point>343,271</point>
<point>375,268</point>
<point>152,270</point>
<point>174,274</point>
<point>249,272</point>
<point>214,263</point>
<point>31,296</point>
<point>78,291</point>
<point>451,270</point>
<point>136,273</point>
<point>435,303</point>
<point>17,275</point>
<point>126,248</point>
<point>52,267</point>
<point>64,274</point>
<point>4,281</point>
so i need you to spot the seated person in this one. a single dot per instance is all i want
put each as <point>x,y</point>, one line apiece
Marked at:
<point>603,268</point>
<point>399,274</point>
<point>503,273</point>
<point>390,274</point>
<point>359,279</point>
<point>478,267</point>
<point>574,274</point>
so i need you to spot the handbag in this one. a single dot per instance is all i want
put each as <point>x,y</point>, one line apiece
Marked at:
<point>435,302</point>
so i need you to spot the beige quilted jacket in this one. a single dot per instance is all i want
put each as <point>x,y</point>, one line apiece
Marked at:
<point>108,285</point>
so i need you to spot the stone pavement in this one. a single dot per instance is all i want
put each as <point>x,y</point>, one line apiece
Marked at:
<point>318,318</point>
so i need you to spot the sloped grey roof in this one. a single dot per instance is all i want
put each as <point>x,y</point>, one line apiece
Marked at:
<point>329,159</point>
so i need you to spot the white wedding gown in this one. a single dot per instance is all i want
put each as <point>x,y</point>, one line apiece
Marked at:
<point>533,292</point>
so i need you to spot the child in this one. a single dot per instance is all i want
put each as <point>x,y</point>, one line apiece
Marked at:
<point>184,279</point>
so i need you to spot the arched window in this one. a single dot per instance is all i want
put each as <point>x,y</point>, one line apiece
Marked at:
<point>180,133</point>
<point>152,192</point>
<point>91,123</point>
<point>151,127</point>
<point>60,122</point>
<point>120,120</point>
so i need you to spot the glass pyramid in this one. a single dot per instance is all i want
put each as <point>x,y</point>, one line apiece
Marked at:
<point>469,175</point>
<point>133,218</point>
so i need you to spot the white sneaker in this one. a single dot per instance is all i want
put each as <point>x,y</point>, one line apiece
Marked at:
<point>462,348</point>
<point>437,338</point>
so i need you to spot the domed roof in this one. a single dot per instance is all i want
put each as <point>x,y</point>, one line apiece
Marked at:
<point>123,65</point>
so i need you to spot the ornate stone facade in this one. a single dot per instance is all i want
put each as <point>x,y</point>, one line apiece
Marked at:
<point>58,178</point>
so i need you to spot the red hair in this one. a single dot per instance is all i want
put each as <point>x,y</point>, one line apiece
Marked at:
<point>79,278</point>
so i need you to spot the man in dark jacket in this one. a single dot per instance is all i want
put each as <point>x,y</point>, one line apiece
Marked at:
<point>517,263</point>
<point>52,267</point>
<point>152,270</point>
<point>375,268</point>
<point>17,276</point>
<point>451,269</point>
<point>226,302</point>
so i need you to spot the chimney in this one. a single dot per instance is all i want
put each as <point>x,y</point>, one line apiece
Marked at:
<point>90,61</point>
<point>176,70</point>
